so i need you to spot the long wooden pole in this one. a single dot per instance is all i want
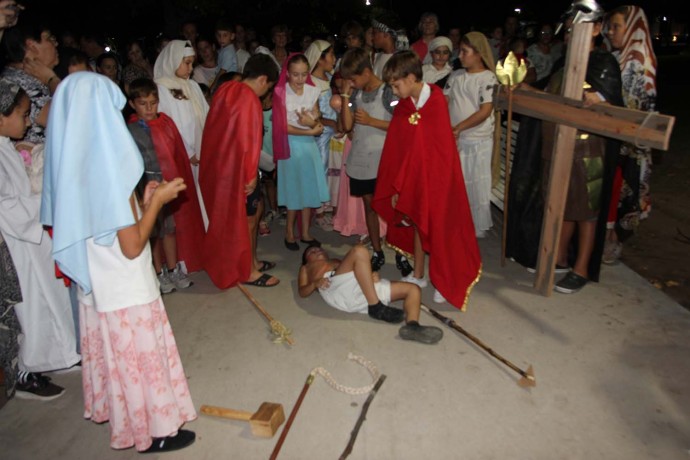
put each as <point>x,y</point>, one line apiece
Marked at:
<point>362,417</point>
<point>506,173</point>
<point>276,326</point>
<point>527,379</point>
<point>293,413</point>
<point>577,58</point>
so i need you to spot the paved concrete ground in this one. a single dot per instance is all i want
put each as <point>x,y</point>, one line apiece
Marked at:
<point>612,365</point>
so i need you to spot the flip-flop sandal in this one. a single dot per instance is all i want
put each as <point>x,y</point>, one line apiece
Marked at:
<point>261,281</point>
<point>266,265</point>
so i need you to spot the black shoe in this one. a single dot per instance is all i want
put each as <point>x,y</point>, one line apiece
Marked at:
<point>423,334</point>
<point>37,386</point>
<point>182,439</point>
<point>387,314</point>
<point>377,261</point>
<point>292,246</point>
<point>312,242</point>
<point>571,283</point>
<point>403,265</point>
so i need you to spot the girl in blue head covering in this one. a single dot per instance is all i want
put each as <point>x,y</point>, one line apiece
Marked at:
<point>131,371</point>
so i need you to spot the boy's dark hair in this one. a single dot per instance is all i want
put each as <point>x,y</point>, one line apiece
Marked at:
<point>304,254</point>
<point>353,28</point>
<point>225,25</point>
<point>142,87</point>
<point>258,65</point>
<point>279,28</point>
<point>224,78</point>
<point>107,55</point>
<point>21,94</point>
<point>401,64</point>
<point>354,62</point>
<point>69,57</point>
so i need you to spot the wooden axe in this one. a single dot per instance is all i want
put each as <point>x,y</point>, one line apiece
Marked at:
<point>264,422</point>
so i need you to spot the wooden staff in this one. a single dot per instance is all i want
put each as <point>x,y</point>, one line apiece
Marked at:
<point>362,417</point>
<point>293,413</point>
<point>527,379</point>
<point>506,183</point>
<point>279,330</point>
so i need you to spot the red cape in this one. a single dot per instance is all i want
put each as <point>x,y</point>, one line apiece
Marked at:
<point>421,164</point>
<point>230,151</point>
<point>174,162</point>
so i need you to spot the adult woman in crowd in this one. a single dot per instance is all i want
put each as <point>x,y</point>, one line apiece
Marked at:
<point>31,54</point>
<point>628,37</point>
<point>138,65</point>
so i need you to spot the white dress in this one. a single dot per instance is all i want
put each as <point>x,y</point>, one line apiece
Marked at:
<point>45,314</point>
<point>466,92</point>
<point>190,126</point>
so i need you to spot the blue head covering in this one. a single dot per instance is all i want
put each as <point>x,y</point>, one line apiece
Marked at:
<point>91,168</point>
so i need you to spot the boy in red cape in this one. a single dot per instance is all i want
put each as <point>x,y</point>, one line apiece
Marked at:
<point>181,225</point>
<point>228,177</point>
<point>420,190</point>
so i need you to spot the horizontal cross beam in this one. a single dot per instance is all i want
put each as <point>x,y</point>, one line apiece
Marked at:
<point>634,126</point>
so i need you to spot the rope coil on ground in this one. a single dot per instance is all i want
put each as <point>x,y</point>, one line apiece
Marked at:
<point>328,377</point>
<point>280,331</point>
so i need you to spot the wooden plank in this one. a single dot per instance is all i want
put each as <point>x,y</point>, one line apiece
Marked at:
<point>635,126</point>
<point>562,159</point>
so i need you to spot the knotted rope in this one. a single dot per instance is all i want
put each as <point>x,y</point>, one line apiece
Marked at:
<point>281,333</point>
<point>328,377</point>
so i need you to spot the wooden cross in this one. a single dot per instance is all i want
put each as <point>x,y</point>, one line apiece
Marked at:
<point>653,130</point>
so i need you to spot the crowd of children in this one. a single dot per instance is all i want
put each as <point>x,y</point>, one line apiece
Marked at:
<point>383,141</point>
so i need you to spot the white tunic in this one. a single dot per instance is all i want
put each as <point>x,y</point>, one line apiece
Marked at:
<point>191,128</point>
<point>119,282</point>
<point>296,102</point>
<point>45,314</point>
<point>466,92</point>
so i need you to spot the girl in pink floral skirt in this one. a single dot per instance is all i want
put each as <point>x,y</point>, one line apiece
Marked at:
<point>131,370</point>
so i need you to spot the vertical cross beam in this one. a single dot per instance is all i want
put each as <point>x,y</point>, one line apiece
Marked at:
<point>575,70</point>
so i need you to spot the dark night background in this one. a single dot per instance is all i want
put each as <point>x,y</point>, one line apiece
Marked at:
<point>146,18</point>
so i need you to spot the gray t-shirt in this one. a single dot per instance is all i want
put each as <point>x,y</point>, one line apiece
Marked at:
<point>367,141</point>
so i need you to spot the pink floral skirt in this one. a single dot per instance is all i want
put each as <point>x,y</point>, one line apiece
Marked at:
<point>132,374</point>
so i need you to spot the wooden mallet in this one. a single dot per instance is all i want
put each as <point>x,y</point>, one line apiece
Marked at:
<point>264,422</point>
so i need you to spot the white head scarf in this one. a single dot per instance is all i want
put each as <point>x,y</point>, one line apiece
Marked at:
<point>314,51</point>
<point>440,41</point>
<point>164,70</point>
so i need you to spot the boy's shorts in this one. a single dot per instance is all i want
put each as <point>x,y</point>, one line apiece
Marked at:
<point>253,200</point>
<point>165,223</point>
<point>359,187</point>
<point>345,294</point>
